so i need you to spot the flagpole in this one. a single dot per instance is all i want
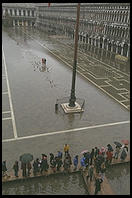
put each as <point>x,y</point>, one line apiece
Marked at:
<point>73,97</point>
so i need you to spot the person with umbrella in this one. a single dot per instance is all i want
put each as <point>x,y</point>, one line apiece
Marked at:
<point>23,167</point>
<point>25,159</point>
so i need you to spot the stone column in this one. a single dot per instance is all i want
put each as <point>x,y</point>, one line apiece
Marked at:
<point>22,12</point>
<point>128,50</point>
<point>13,22</point>
<point>18,22</point>
<point>13,13</point>
<point>22,23</point>
<point>26,13</point>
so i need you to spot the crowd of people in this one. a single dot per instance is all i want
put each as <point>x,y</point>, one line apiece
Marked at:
<point>97,160</point>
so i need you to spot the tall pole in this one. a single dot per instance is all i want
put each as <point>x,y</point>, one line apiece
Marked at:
<point>73,97</point>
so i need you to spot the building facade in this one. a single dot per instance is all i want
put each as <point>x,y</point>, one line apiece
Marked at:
<point>18,14</point>
<point>104,27</point>
<point>104,30</point>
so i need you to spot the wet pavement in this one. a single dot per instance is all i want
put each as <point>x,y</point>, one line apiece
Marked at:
<point>34,94</point>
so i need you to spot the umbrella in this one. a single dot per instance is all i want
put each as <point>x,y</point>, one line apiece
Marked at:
<point>102,149</point>
<point>118,144</point>
<point>26,157</point>
<point>125,142</point>
<point>85,151</point>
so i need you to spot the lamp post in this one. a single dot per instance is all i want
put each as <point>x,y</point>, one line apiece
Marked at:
<point>73,97</point>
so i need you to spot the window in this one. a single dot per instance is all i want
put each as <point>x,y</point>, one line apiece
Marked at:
<point>15,12</point>
<point>24,13</point>
<point>33,13</point>
<point>19,12</point>
<point>28,12</point>
<point>10,12</point>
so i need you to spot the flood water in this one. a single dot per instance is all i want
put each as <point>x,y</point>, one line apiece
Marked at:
<point>34,94</point>
<point>119,179</point>
<point>69,184</point>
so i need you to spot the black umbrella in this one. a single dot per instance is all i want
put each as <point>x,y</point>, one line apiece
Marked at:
<point>118,144</point>
<point>26,157</point>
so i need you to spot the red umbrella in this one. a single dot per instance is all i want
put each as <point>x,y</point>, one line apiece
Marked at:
<point>125,142</point>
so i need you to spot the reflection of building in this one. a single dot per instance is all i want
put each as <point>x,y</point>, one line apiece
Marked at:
<point>104,27</point>
<point>19,14</point>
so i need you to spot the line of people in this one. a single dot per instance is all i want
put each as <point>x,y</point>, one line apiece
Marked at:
<point>99,159</point>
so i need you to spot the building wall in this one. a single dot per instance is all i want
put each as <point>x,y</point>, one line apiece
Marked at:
<point>19,14</point>
<point>103,25</point>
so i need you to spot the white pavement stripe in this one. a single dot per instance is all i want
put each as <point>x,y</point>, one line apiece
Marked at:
<point>9,118</point>
<point>4,93</point>
<point>10,101</point>
<point>67,131</point>
<point>6,112</point>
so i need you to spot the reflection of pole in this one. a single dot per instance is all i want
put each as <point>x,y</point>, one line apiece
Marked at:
<point>73,97</point>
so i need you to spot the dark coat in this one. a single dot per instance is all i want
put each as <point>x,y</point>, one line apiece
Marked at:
<point>16,167</point>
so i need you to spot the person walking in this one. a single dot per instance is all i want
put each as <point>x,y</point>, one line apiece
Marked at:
<point>75,162</point>
<point>16,168</point>
<point>102,171</point>
<point>4,168</point>
<point>90,172</point>
<point>66,148</point>
<point>98,182</point>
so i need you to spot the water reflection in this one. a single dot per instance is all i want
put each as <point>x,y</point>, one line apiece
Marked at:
<point>52,185</point>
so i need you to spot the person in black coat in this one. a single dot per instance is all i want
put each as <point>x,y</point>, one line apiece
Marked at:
<point>98,182</point>
<point>58,163</point>
<point>91,156</point>
<point>44,165</point>
<point>23,167</point>
<point>51,157</point>
<point>16,168</point>
<point>4,168</point>
<point>35,167</point>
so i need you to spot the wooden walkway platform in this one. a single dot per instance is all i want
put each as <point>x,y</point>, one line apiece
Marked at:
<point>105,186</point>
